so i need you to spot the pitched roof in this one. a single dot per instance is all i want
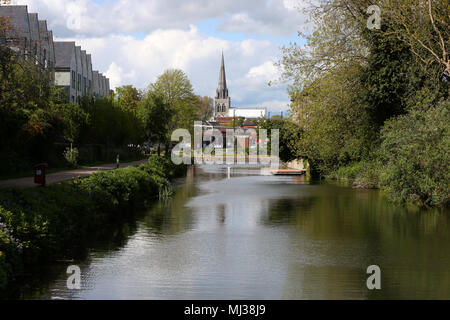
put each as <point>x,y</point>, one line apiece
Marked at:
<point>43,29</point>
<point>63,53</point>
<point>34,26</point>
<point>51,44</point>
<point>18,17</point>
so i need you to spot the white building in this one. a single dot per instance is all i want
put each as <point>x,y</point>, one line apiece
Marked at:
<point>247,113</point>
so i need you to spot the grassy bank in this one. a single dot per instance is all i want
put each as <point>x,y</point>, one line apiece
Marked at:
<point>41,224</point>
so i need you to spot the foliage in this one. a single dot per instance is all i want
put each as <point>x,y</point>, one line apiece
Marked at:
<point>331,118</point>
<point>177,92</point>
<point>71,155</point>
<point>289,136</point>
<point>424,26</point>
<point>105,114</point>
<point>36,119</point>
<point>29,121</point>
<point>74,118</point>
<point>155,115</point>
<point>171,104</point>
<point>206,107</point>
<point>128,97</point>
<point>335,42</point>
<point>363,174</point>
<point>72,210</point>
<point>415,150</point>
<point>364,99</point>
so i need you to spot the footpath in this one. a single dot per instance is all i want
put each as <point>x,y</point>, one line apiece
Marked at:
<point>28,182</point>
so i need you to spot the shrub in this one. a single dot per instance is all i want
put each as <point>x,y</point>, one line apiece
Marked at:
<point>349,172</point>
<point>48,221</point>
<point>368,177</point>
<point>363,174</point>
<point>71,155</point>
<point>415,149</point>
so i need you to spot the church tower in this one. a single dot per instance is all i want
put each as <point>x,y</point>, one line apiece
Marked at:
<point>222,101</point>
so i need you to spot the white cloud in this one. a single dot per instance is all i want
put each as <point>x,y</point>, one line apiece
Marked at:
<point>69,17</point>
<point>168,38</point>
<point>249,63</point>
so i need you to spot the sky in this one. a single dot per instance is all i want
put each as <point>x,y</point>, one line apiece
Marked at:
<point>134,41</point>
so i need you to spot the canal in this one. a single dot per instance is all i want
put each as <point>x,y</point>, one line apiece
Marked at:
<point>256,236</point>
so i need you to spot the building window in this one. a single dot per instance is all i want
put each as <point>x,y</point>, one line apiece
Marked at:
<point>79,82</point>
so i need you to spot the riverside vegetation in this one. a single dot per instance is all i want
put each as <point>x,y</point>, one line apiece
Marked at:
<point>41,224</point>
<point>38,124</point>
<point>373,105</point>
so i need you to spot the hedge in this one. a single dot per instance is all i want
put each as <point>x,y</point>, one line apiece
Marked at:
<point>42,223</point>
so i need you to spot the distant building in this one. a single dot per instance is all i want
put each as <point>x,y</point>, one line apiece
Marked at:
<point>222,102</point>
<point>69,66</point>
<point>66,69</point>
<point>248,113</point>
<point>89,75</point>
<point>19,38</point>
<point>47,46</point>
<point>95,84</point>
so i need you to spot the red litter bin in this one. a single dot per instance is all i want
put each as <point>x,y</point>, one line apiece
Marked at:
<point>39,173</point>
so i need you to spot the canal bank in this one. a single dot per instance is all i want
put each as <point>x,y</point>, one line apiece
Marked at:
<point>254,236</point>
<point>41,224</point>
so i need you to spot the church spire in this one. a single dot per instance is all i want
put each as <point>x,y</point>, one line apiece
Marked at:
<point>222,90</point>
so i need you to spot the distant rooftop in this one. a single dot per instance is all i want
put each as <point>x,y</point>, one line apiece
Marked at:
<point>63,53</point>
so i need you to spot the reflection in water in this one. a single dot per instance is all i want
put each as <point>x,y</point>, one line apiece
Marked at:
<point>265,237</point>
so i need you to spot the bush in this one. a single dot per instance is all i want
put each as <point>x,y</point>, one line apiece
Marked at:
<point>48,221</point>
<point>415,149</point>
<point>349,172</point>
<point>71,155</point>
<point>363,174</point>
<point>368,176</point>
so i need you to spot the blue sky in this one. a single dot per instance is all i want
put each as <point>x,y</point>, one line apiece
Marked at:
<point>134,41</point>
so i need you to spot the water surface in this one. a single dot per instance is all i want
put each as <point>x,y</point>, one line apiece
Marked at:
<point>265,237</point>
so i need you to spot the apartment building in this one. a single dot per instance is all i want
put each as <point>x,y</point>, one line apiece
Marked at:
<point>70,66</point>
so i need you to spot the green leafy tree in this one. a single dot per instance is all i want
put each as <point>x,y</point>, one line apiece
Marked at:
<point>182,105</point>
<point>128,97</point>
<point>290,136</point>
<point>415,152</point>
<point>424,26</point>
<point>155,115</point>
<point>74,119</point>
<point>205,108</point>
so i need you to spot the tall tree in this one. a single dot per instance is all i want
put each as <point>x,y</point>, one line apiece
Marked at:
<point>182,106</point>
<point>155,115</point>
<point>206,107</point>
<point>424,25</point>
<point>128,97</point>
